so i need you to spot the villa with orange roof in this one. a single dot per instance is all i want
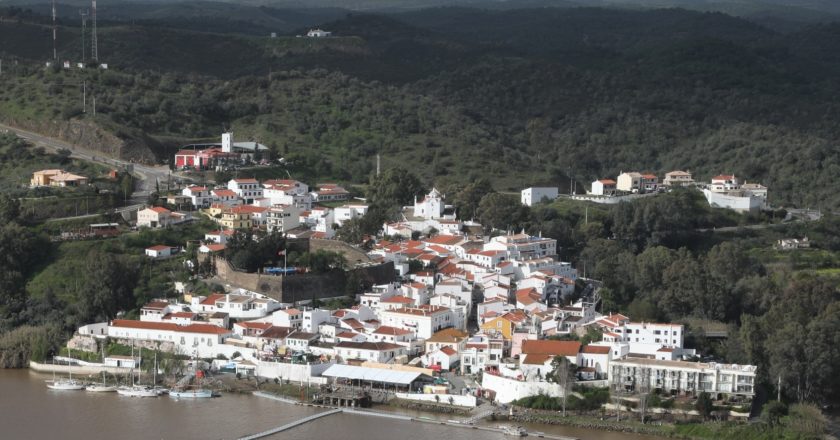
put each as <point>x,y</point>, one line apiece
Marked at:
<point>154,217</point>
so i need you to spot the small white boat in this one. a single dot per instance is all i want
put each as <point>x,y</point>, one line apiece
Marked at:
<point>100,388</point>
<point>516,431</point>
<point>200,393</point>
<point>65,385</point>
<point>137,391</point>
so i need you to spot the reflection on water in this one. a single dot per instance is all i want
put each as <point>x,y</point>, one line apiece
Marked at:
<point>28,410</point>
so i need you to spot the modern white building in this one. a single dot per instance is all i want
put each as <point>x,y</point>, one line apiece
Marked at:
<point>523,246</point>
<point>680,377</point>
<point>532,196</point>
<point>424,320</point>
<point>282,218</point>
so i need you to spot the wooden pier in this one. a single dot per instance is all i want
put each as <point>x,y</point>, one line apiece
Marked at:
<point>291,425</point>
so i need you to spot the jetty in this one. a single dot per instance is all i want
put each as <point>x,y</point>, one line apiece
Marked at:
<point>382,414</point>
<point>291,425</point>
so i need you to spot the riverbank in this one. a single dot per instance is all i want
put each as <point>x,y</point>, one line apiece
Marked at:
<point>590,422</point>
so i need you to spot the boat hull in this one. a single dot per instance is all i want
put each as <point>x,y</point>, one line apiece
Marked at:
<point>65,385</point>
<point>196,394</point>
<point>100,389</point>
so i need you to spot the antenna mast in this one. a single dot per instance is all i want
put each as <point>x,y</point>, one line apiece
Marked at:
<point>55,51</point>
<point>84,15</point>
<point>94,53</point>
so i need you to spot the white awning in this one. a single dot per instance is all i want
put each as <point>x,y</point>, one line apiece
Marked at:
<point>374,374</point>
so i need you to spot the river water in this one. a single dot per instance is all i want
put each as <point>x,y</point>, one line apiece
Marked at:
<point>29,410</point>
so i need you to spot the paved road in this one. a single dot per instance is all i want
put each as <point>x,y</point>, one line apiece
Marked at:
<point>147,175</point>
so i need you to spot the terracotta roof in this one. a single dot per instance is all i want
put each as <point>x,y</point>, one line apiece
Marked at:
<point>259,325</point>
<point>386,330</point>
<point>180,315</point>
<point>215,247</point>
<point>724,177</point>
<point>276,332</point>
<point>448,335</point>
<point>353,323</point>
<point>399,299</point>
<point>536,359</point>
<point>245,180</point>
<point>224,193</point>
<point>445,239</point>
<point>607,181</point>
<point>424,310</point>
<point>192,328</point>
<point>449,351</point>
<point>156,305</point>
<point>347,335</point>
<point>211,300</point>
<point>375,346</point>
<point>596,349</point>
<point>160,247</point>
<point>554,348</point>
<point>160,210</point>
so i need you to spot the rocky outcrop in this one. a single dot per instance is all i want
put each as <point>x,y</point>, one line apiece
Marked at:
<point>90,136</point>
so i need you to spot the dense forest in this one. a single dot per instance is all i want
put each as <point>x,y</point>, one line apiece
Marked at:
<point>530,96</point>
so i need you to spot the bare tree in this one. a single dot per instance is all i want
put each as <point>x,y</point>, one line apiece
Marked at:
<point>562,373</point>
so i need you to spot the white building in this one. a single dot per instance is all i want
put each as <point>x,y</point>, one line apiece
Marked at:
<point>636,182</point>
<point>431,206</point>
<point>680,377</point>
<point>199,195</point>
<point>382,352</point>
<point>318,33</point>
<point>523,246</point>
<point>201,339</point>
<point>154,217</point>
<point>348,212</point>
<point>678,178</point>
<point>424,320</point>
<point>160,251</point>
<point>726,191</point>
<point>246,189</point>
<point>603,187</point>
<point>282,218</point>
<point>532,196</point>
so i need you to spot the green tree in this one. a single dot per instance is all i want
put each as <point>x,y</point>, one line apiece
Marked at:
<point>704,405</point>
<point>502,211</point>
<point>9,209</point>
<point>394,187</point>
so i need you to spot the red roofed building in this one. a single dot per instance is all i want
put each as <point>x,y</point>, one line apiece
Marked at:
<point>154,217</point>
<point>201,339</point>
<point>540,351</point>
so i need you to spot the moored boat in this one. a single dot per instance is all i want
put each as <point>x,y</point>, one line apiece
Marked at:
<point>198,393</point>
<point>65,385</point>
<point>137,391</point>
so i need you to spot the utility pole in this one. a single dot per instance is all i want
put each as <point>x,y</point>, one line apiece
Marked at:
<point>94,105</point>
<point>779,389</point>
<point>84,96</point>
<point>54,30</point>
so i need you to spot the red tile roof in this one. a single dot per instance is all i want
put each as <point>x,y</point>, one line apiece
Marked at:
<point>596,349</point>
<point>156,305</point>
<point>554,348</point>
<point>387,330</point>
<point>445,239</point>
<point>192,328</point>
<point>160,210</point>
<point>211,300</point>
<point>399,299</point>
<point>449,351</point>
<point>159,247</point>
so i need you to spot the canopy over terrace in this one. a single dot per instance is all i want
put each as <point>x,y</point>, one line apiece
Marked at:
<point>377,377</point>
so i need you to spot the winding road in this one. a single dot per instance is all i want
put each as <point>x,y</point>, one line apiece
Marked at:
<point>147,175</point>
